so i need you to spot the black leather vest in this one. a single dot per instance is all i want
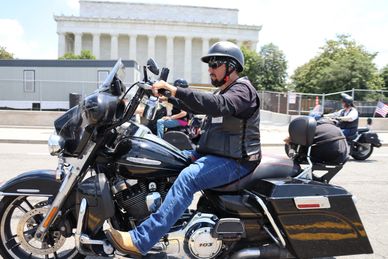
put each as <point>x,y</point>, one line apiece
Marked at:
<point>232,137</point>
<point>348,124</point>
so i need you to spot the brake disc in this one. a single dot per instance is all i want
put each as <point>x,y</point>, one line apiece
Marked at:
<point>26,229</point>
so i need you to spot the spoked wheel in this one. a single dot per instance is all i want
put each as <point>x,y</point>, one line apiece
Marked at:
<point>362,151</point>
<point>20,217</point>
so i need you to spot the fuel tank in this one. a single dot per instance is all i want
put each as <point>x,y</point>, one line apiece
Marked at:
<point>153,157</point>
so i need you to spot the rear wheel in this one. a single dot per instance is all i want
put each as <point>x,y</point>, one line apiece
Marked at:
<point>20,217</point>
<point>361,151</point>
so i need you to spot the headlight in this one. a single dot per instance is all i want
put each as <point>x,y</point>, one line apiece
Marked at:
<point>55,144</point>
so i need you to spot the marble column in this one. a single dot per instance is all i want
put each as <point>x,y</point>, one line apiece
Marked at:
<point>151,46</point>
<point>96,45</point>
<point>61,44</point>
<point>132,46</point>
<point>114,46</point>
<point>188,54</point>
<point>77,43</point>
<point>170,57</point>
<point>205,73</point>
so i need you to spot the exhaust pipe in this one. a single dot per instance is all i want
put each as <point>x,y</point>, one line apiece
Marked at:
<point>270,251</point>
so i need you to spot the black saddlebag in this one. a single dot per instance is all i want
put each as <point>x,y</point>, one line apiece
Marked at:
<point>370,137</point>
<point>319,220</point>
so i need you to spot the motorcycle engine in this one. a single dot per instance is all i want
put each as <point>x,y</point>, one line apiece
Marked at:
<point>199,242</point>
<point>139,198</point>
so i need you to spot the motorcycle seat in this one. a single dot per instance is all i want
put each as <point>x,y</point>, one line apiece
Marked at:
<point>269,167</point>
<point>362,130</point>
<point>178,128</point>
<point>352,137</point>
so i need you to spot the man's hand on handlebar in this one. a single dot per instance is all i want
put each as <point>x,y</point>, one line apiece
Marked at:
<point>162,85</point>
<point>163,99</point>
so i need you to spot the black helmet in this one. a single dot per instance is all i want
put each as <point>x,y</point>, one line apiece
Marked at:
<point>347,99</point>
<point>226,49</point>
<point>181,83</point>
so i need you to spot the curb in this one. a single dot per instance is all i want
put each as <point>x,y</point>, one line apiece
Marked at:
<point>23,141</point>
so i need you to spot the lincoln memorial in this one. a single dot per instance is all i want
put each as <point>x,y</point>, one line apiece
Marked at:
<point>175,35</point>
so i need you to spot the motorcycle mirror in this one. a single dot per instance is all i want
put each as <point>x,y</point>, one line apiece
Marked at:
<point>153,66</point>
<point>116,87</point>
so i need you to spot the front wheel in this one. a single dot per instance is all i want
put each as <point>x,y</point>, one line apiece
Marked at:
<point>361,151</point>
<point>20,217</point>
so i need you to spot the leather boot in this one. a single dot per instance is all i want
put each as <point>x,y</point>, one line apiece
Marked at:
<point>122,241</point>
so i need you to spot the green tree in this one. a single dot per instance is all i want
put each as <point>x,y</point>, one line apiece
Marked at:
<point>342,65</point>
<point>274,68</point>
<point>4,54</point>
<point>252,67</point>
<point>384,76</point>
<point>85,54</point>
<point>266,70</point>
<point>69,55</point>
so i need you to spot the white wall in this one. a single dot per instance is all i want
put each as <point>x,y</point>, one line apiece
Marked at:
<point>142,50</point>
<point>196,63</point>
<point>160,51</point>
<point>123,47</point>
<point>87,42</point>
<point>158,11</point>
<point>179,57</point>
<point>105,46</point>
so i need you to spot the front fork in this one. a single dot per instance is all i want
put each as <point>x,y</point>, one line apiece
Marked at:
<point>72,172</point>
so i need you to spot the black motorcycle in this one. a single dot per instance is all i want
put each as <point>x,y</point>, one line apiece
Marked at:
<point>114,171</point>
<point>362,143</point>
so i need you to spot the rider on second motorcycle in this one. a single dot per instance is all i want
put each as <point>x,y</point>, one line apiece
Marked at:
<point>347,117</point>
<point>178,116</point>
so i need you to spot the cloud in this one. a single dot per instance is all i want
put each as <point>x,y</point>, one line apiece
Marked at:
<point>12,37</point>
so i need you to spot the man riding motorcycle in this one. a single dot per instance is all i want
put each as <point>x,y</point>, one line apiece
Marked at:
<point>347,117</point>
<point>233,116</point>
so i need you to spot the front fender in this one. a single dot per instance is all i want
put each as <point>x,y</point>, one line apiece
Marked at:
<point>33,183</point>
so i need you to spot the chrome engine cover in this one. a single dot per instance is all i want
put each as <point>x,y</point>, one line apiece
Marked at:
<point>194,240</point>
<point>203,245</point>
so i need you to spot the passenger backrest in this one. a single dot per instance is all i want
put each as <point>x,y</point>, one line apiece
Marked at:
<point>302,130</point>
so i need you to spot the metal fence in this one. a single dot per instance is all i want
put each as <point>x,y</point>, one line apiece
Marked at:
<point>295,103</point>
<point>54,95</point>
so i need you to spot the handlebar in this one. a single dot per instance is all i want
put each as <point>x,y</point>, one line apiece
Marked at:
<point>147,84</point>
<point>163,76</point>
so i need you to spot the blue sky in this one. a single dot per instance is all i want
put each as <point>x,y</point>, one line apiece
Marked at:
<point>298,27</point>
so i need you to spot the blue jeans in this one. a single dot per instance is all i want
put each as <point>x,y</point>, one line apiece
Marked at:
<point>161,124</point>
<point>204,173</point>
<point>349,132</point>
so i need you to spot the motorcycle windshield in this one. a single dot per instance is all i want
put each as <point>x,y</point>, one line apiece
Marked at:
<point>117,71</point>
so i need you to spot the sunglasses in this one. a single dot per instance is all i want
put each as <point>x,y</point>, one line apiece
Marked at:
<point>216,63</point>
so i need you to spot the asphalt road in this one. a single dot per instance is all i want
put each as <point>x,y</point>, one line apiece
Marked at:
<point>367,180</point>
